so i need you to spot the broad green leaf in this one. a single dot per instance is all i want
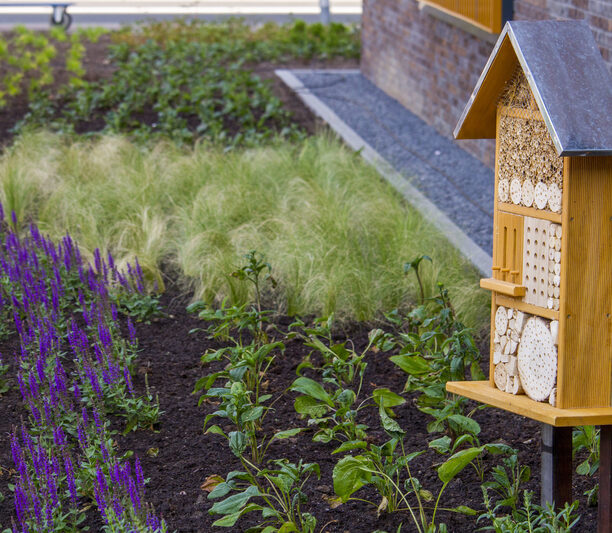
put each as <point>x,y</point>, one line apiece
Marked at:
<point>465,424</point>
<point>351,445</point>
<point>464,509</point>
<point>230,519</point>
<point>311,388</point>
<point>441,445</point>
<point>306,405</point>
<point>237,442</point>
<point>350,474</point>
<point>389,425</point>
<point>235,502</point>
<point>287,433</point>
<point>216,430</point>
<point>254,413</point>
<point>451,467</point>
<point>288,527</point>
<point>387,398</point>
<point>411,364</point>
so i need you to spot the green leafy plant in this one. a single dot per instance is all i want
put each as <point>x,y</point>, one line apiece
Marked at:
<point>445,445</point>
<point>333,415</point>
<point>387,467</point>
<point>506,482</point>
<point>587,438</point>
<point>530,518</point>
<point>280,491</point>
<point>341,365</point>
<point>235,405</point>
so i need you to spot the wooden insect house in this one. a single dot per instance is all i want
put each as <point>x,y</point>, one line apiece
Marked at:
<point>545,96</point>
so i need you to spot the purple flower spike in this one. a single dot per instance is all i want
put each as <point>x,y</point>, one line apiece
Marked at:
<point>14,219</point>
<point>131,330</point>
<point>133,492</point>
<point>70,478</point>
<point>139,475</point>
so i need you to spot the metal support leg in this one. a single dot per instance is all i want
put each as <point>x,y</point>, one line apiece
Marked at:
<point>604,518</point>
<point>556,479</point>
<point>325,16</point>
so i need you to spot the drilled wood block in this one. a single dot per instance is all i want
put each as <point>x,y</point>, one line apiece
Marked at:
<point>535,261</point>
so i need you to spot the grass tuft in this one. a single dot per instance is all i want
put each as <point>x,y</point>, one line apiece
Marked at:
<point>335,234</point>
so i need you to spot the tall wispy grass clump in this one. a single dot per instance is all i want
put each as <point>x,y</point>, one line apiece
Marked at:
<point>336,235</point>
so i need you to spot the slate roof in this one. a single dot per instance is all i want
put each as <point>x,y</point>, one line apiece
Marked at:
<point>568,78</point>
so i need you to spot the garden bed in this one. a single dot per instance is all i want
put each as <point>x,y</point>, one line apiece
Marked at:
<point>178,457</point>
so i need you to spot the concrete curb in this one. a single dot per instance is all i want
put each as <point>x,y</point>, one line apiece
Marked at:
<point>474,253</point>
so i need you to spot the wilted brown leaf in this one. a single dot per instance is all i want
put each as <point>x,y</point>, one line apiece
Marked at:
<point>211,482</point>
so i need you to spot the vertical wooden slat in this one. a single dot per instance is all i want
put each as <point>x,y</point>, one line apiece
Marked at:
<point>484,13</point>
<point>585,333</point>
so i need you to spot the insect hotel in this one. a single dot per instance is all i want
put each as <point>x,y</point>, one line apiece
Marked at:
<point>545,96</point>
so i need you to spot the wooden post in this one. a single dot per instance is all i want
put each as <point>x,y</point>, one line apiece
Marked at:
<point>556,480</point>
<point>604,518</point>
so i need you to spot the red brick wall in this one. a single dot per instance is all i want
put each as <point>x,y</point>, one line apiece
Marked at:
<point>431,67</point>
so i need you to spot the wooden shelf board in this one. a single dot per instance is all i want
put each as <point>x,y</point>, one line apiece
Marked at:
<point>503,287</point>
<point>482,391</point>
<point>529,212</point>
<point>551,314</point>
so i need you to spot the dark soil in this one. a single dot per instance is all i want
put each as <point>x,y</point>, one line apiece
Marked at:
<point>178,456</point>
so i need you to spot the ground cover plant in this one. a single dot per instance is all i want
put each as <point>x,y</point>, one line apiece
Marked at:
<point>181,80</point>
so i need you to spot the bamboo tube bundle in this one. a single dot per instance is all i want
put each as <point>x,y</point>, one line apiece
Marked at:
<point>508,326</point>
<point>529,169</point>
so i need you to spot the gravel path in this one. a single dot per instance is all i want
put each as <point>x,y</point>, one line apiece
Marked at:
<point>459,184</point>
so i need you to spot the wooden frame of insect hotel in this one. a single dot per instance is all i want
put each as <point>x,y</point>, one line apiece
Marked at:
<point>545,96</point>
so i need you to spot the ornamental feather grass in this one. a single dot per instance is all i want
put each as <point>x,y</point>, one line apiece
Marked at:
<point>335,234</point>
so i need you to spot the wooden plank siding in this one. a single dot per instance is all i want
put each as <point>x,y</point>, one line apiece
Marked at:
<point>484,14</point>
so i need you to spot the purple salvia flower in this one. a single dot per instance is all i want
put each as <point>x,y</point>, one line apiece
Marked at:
<point>34,391</point>
<point>22,388</point>
<point>133,492</point>
<point>93,379</point>
<point>96,416</point>
<point>21,505</point>
<point>114,313</point>
<point>131,331</point>
<point>85,417</point>
<point>117,507</point>
<point>77,393</point>
<point>47,409</point>
<point>101,480</point>
<point>98,260</point>
<point>59,438</point>
<point>128,380</point>
<point>139,474</point>
<point>82,437</point>
<point>1,213</point>
<point>35,412</point>
<point>70,479</point>
<point>40,362</point>
<point>35,503</point>
<point>14,219</point>
<point>104,451</point>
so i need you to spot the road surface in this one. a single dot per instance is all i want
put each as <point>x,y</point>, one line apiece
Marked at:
<point>113,14</point>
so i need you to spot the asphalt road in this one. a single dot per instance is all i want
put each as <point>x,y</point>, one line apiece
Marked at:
<point>114,14</point>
